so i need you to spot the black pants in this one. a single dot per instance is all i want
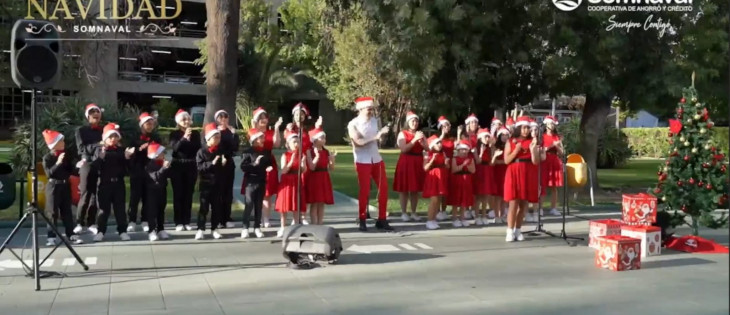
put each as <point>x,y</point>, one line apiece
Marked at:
<point>58,204</point>
<point>156,203</point>
<point>227,193</point>
<point>137,194</point>
<point>183,179</point>
<point>254,200</point>
<point>111,198</point>
<point>210,200</point>
<point>88,205</point>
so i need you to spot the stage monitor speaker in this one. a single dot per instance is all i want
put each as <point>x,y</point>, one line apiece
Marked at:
<point>35,54</point>
<point>311,243</point>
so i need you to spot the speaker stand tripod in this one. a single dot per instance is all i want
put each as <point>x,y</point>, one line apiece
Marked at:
<point>33,212</point>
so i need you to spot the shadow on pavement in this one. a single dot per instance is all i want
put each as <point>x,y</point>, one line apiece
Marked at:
<point>382,258</point>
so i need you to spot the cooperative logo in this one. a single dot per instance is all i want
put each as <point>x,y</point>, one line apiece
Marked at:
<point>567,5</point>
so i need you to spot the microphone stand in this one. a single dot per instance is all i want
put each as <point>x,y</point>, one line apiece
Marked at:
<point>299,173</point>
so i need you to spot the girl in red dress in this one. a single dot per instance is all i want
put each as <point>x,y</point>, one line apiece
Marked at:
<point>286,201</point>
<point>483,176</point>
<point>408,181</point>
<point>462,184</point>
<point>436,181</point>
<point>496,185</point>
<point>472,127</point>
<point>447,145</point>
<point>552,167</point>
<point>522,155</point>
<point>272,139</point>
<point>318,182</point>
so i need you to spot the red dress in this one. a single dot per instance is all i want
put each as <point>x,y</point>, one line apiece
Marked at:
<point>462,186</point>
<point>483,175</point>
<point>409,171</point>
<point>520,180</point>
<point>306,142</point>
<point>436,181</point>
<point>552,167</point>
<point>496,182</point>
<point>286,199</point>
<point>447,145</point>
<point>318,184</point>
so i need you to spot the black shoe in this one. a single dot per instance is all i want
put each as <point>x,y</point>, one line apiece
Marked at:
<point>383,225</point>
<point>363,227</point>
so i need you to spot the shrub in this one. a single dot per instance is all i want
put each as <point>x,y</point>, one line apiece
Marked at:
<point>654,143</point>
<point>613,147</point>
<point>166,110</point>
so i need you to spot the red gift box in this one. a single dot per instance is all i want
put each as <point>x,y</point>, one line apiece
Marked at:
<point>598,228</point>
<point>618,253</point>
<point>638,209</point>
<point>650,236</point>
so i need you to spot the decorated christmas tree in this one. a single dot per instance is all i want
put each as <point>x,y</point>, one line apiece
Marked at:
<point>693,180</point>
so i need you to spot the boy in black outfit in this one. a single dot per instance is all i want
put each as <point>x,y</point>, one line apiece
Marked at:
<point>58,189</point>
<point>158,170</point>
<point>137,174</point>
<point>228,147</point>
<point>211,165</point>
<point>255,163</point>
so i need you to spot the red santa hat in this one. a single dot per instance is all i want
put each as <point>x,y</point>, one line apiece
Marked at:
<point>180,115</point>
<point>522,121</point>
<point>496,121</point>
<point>288,135</point>
<point>411,115</point>
<point>550,120</point>
<point>254,134</point>
<point>302,107</point>
<point>483,132</point>
<point>220,112</point>
<point>463,144</point>
<point>154,150</point>
<point>502,131</point>
<point>510,122</point>
<point>257,113</point>
<point>211,130</point>
<point>109,130</point>
<point>364,102</point>
<point>316,133</point>
<point>442,121</point>
<point>533,123</point>
<point>471,118</point>
<point>144,117</point>
<point>91,107</point>
<point>433,141</point>
<point>52,138</point>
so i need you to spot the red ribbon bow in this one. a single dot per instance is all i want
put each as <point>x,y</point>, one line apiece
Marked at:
<point>95,127</point>
<point>111,147</point>
<point>58,152</point>
<point>160,162</point>
<point>212,148</point>
<point>144,138</point>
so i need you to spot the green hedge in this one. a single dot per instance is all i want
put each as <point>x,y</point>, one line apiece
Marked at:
<point>654,142</point>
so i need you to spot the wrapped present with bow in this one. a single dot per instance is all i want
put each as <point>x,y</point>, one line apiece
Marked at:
<point>618,253</point>
<point>638,209</point>
<point>598,228</point>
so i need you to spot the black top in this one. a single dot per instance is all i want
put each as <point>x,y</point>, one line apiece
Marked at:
<point>156,175</point>
<point>183,148</point>
<point>255,173</point>
<point>112,165</point>
<point>229,143</point>
<point>87,140</point>
<point>139,160</point>
<point>57,171</point>
<point>208,171</point>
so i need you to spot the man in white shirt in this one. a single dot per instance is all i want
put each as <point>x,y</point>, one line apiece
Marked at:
<point>365,136</point>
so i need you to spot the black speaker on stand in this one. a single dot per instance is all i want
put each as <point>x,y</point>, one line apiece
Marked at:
<point>35,59</point>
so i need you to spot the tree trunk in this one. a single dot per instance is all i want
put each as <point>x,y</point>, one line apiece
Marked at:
<point>222,45</point>
<point>591,128</point>
<point>695,226</point>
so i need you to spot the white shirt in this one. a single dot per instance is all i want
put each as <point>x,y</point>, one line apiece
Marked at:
<point>368,129</point>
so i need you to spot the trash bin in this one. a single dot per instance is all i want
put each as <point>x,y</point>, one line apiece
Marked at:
<point>577,170</point>
<point>7,186</point>
<point>42,180</point>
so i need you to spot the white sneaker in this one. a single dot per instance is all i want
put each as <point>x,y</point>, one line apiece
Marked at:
<point>478,221</point>
<point>188,227</point>
<point>457,223</point>
<point>78,229</point>
<point>244,233</point>
<point>179,227</point>
<point>76,239</point>
<point>153,236</point>
<point>51,241</point>
<point>280,232</point>
<point>216,235</point>
<point>131,227</point>
<point>405,217</point>
<point>163,235</point>
<point>415,217</point>
<point>125,237</point>
<point>98,237</point>
<point>145,227</point>
<point>493,221</point>
<point>510,236</point>
<point>465,223</point>
<point>555,212</point>
<point>468,215</point>
<point>441,216</point>
<point>199,235</point>
<point>230,225</point>
<point>305,222</point>
<point>94,229</point>
<point>267,224</point>
<point>432,225</point>
<point>519,236</point>
<point>258,232</point>
<point>490,214</point>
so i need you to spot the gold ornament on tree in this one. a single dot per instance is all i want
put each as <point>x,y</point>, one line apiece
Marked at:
<point>686,143</point>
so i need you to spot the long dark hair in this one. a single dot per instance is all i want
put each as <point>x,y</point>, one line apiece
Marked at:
<point>554,131</point>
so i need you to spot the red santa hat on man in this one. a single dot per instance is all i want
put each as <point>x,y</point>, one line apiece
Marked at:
<point>154,150</point>
<point>109,130</point>
<point>91,107</point>
<point>433,141</point>
<point>180,115</point>
<point>550,120</point>
<point>52,138</point>
<point>442,121</point>
<point>145,117</point>
<point>522,121</point>
<point>257,113</point>
<point>210,130</point>
<point>316,133</point>
<point>254,134</point>
<point>471,118</point>
<point>364,102</point>
<point>463,144</point>
<point>411,115</point>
